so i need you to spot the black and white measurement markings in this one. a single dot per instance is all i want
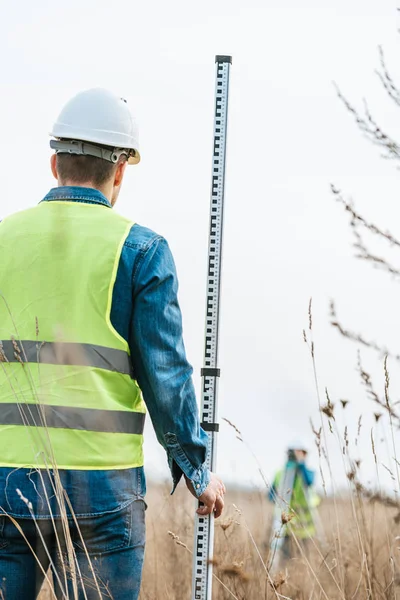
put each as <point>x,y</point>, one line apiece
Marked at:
<point>204,526</point>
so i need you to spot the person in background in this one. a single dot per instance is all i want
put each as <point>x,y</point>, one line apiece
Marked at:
<point>295,501</point>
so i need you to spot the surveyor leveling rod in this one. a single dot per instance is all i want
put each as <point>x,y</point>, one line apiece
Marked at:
<point>204,526</point>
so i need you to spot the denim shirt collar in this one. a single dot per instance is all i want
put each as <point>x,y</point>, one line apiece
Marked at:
<point>74,193</point>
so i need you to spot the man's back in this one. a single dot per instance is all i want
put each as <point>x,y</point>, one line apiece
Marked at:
<point>89,313</point>
<point>66,388</point>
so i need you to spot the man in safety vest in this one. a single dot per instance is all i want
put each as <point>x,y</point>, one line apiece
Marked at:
<point>295,502</point>
<point>89,321</point>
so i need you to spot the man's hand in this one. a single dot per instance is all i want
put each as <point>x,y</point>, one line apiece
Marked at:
<point>212,498</point>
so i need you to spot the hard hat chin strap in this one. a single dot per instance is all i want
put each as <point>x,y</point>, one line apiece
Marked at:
<point>84,148</point>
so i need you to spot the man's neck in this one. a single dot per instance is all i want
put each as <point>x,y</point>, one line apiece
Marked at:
<point>88,184</point>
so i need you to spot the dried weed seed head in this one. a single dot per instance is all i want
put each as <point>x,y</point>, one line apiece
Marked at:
<point>329,406</point>
<point>286,517</point>
<point>310,323</point>
<point>226,524</point>
<point>238,432</point>
<point>236,570</point>
<point>373,447</point>
<point>15,345</point>
<point>351,475</point>
<point>328,410</point>
<point>177,540</point>
<point>387,381</point>
<point>237,509</point>
<point>279,580</point>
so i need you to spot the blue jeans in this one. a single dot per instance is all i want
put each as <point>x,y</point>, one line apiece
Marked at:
<point>111,525</point>
<point>115,543</point>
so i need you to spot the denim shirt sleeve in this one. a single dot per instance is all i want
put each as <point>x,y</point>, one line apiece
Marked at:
<point>160,365</point>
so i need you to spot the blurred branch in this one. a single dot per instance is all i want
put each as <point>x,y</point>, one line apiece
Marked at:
<point>359,219</point>
<point>377,261</point>
<point>386,79</point>
<point>358,222</point>
<point>369,127</point>
<point>372,394</point>
<point>356,337</point>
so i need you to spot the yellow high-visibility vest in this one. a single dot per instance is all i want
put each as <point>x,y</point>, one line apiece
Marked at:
<point>302,524</point>
<point>67,396</point>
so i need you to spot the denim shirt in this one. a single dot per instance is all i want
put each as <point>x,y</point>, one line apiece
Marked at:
<point>145,312</point>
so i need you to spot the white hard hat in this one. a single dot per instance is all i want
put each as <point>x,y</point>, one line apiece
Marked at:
<point>297,445</point>
<point>99,118</point>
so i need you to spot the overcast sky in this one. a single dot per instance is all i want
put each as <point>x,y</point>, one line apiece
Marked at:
<point>289,137</point>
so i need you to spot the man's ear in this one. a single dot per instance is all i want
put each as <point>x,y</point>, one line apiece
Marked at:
<point>119,173</point>
<point>53,165</point>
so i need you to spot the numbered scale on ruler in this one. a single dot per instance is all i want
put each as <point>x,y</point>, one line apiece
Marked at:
<point>204,526</point>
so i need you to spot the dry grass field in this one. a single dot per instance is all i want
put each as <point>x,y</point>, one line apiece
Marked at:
<point>357,557</point>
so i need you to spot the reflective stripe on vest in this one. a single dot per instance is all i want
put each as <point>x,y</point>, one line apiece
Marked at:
<point>56,353</point>
<point>67,417</point>
<point>66,388</point>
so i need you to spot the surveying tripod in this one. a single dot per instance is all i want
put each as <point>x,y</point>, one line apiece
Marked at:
<point>204,525</point>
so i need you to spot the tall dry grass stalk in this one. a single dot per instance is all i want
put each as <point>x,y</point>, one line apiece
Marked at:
<point>43,450</point>
<point>240,562</point>
<point>355,555</point>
